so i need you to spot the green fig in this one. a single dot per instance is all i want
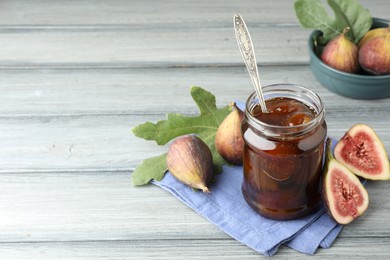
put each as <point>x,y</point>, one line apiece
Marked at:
<point>344,195</point>
<point>342,54</point>
<point>228,139</point>
<point>190,161</point>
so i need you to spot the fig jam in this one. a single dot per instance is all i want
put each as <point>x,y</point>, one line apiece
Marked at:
<point>283,152</point>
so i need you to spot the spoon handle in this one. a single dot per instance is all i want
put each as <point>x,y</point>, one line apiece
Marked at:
<point>246,47</point>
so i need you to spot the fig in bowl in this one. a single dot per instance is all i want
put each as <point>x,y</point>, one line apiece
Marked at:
<point>341,54</point>
<point>374,51</point>
<point>357,83</point>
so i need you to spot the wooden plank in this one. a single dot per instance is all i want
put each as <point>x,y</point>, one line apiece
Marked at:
<point>184,249</point>
<point>82,120</point>
<point>101,206</point>
<point>139,47</point>
<point>146,12</point>
<point>92,206</point>
<point>138,12</point>
<point>105,141</point>
<point>149,91</point>
<point>180,43</point>
<point>83,143</point>
<point>101,142</point>
<point>116,91</point>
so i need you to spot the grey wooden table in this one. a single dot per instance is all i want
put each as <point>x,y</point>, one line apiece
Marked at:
<point>77,76</point>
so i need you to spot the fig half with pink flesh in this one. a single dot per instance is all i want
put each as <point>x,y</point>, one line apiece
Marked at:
<point>345,197</point>
<point>363,153</point>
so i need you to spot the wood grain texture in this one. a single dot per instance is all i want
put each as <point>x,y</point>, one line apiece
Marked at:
<point>180,34</point>
<point>171,13</point>
<point>77,76</point>
<point>186,249</point>
<point>140,47</point>
<point>105,142</point>
<point>82,120</point>
<point>56,92</point>
<point>103,205</point>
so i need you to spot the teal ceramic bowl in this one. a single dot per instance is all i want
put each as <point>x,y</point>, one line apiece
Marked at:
<point>356,86</point>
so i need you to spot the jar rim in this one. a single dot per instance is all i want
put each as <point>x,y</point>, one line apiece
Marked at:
<point>294,91</point>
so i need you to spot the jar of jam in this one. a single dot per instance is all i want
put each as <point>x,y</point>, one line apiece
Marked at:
<point>283,152</point>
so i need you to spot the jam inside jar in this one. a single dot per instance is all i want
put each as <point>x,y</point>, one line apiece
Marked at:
<point>283,152</point>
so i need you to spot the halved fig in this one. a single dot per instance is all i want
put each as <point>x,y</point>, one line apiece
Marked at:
<point>345,197</point>
<point>361,151</point>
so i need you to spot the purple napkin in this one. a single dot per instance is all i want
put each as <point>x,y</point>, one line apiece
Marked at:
<point>226,208</point>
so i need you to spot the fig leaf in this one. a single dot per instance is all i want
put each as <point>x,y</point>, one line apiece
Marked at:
<point>347,13</point>
<point>152,168</point>
<point>204,126</point>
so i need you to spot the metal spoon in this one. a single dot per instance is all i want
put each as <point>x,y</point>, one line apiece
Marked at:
<point>247,51</point>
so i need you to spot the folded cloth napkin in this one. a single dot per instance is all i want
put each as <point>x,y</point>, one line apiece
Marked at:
<point>226,208</point>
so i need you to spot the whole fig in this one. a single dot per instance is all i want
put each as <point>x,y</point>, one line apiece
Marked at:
<point>228,140</point>
<point>374,55</point>
<point>190,161</point>
<point>371,34</point>
<point>342,54</point>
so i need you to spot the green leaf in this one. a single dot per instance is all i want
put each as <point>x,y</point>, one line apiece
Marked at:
<point>312,14</point>
<point>204,126</point>
<point>156,165</point>
<point>348,13</point>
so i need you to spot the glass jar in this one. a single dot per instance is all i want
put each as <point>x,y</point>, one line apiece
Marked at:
<point>283,163</point>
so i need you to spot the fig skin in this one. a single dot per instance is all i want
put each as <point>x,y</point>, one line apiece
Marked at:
<point>228,139</point>
<point>344,195</point>
<point>363,153</point>
<point>190,161</point>
<point>371,34</point>
<point>342,54</point>
<point>374,55</point>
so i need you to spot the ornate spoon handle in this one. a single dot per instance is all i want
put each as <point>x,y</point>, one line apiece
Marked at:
<point>246,47</point>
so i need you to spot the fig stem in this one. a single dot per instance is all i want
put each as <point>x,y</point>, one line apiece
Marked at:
<point>328,152</point>
<point>206,190</point>
<point>346,29</point>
